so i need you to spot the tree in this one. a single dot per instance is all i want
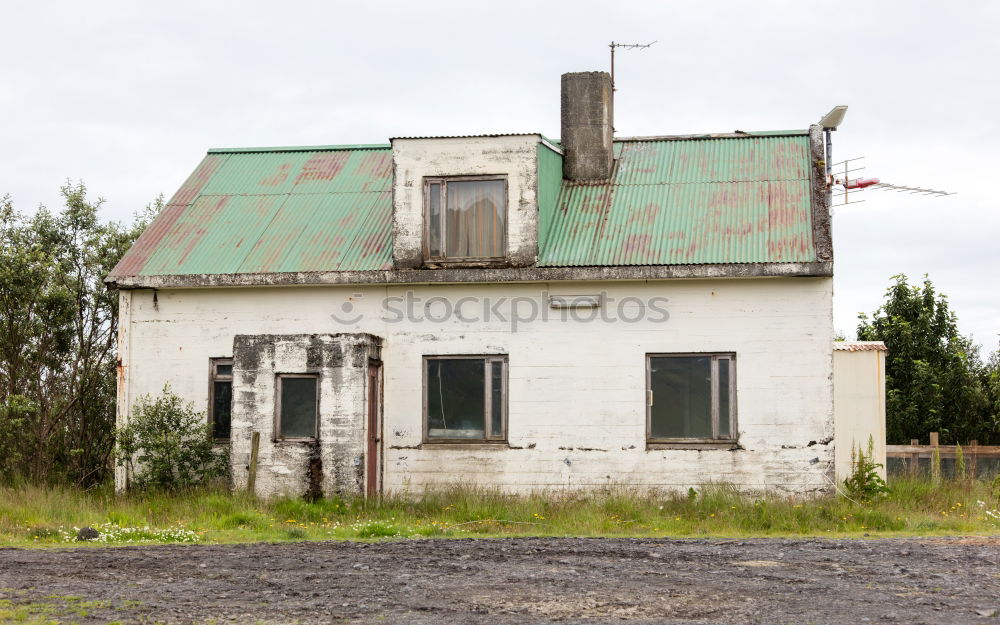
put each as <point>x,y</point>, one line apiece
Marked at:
<point>990,378</point>
<point>58,326</point>
<point>934,376</point>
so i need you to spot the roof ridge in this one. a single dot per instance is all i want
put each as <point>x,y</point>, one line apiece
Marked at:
<point>303,148</point>
<point>738,134</point>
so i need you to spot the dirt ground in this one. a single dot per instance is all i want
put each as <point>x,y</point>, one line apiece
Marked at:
<point>934,580</point>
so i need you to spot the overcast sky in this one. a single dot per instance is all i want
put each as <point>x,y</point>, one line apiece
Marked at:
<point>127,96</point>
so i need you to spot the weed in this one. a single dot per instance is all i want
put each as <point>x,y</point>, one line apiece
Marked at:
<point>377,529</point>
<point>959,463</point>
<point>43,532</point>
<point>864,482</point>
<point>251,520</point>
<point>36,515</point>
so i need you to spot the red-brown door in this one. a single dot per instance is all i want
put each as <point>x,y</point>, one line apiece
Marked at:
<point>373,451</point>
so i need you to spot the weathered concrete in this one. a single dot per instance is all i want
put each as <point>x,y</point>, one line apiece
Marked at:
<point>822,235</point>
<point>513,156</point>
<point>485,275</point>
<point>587,125</point>
<point>123,396</point>
<point>576,381</point>
<point>330,464</point>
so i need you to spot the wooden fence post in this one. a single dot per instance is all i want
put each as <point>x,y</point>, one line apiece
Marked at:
<point>935,459</point>
<point>252,478</point>
<point>914,459</point>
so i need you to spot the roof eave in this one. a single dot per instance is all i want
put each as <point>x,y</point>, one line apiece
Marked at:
<point>479,275</point>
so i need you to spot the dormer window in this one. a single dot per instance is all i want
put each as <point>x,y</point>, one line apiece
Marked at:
<point>465,218</point>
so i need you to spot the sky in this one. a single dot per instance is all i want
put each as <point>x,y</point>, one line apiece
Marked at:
<point>128,96</point>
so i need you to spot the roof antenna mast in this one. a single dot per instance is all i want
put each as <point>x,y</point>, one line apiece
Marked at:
<point>830,122</point>
<point>624,46</point>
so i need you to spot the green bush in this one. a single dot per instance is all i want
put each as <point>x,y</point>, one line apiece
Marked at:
<point>168,445</point>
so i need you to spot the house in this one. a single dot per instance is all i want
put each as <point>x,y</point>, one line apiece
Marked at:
<point>499,310</point>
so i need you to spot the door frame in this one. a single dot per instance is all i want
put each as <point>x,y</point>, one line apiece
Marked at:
<point>373,430</point>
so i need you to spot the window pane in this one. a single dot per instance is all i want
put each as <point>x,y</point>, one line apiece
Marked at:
<point>456,390</point>
<point>724,398</point>
<point>496,399</point>
<point>298,407</point>
<point>434,219</point>
<point>221,369</point>
<point>474,227</point>
<point>222,405</point>
<point>682,397</point>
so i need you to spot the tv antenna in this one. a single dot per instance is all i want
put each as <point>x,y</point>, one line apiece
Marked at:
<point>845,188</point>
<point>830,122</point>
<point>624,46</point>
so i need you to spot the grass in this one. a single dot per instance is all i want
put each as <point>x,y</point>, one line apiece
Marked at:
<point>15,607</point>
<point>35,515</point>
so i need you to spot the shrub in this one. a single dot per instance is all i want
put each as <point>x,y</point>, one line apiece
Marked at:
<point>168,445</point>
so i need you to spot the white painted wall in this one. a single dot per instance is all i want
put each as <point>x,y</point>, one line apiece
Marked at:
<point>513,156</point>
<point>859,404</point>
<point>576,388</point>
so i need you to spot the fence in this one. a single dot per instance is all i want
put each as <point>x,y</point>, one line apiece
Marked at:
<point>942,461</point>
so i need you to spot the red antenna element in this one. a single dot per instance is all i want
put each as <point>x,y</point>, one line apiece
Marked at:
<point>860,183</point>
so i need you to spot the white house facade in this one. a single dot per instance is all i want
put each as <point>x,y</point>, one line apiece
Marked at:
<point>498,311</point>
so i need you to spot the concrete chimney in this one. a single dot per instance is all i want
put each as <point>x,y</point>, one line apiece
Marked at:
<point>587,125</point>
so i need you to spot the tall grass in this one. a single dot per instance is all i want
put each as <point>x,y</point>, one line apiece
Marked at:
<point>49,515</point>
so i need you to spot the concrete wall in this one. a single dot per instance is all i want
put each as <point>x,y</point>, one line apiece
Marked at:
<point>576,386</point>
<point>334,462</point>
<point>415,159</point>
<point>859,403</point>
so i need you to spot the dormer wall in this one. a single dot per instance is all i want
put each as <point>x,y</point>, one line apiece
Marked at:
<point>416,161</point>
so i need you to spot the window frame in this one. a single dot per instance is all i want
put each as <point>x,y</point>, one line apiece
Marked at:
<point>213,377</point>
<point>278,377</point>
<point>487,404</point>
<point>443,259</point>
<point>688,443</point>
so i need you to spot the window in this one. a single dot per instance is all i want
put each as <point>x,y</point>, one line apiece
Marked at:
<point>220,396</point>
<point>298,406</point>
<point>691,397</point>
<point>465,398</point>
<point>465,218</point>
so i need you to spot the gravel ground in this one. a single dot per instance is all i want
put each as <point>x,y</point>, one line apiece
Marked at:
<point>566,580</point>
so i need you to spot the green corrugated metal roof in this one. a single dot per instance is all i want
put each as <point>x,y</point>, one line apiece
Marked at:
<point>262,210</point>
<point>550,172</point>
<point>676,200</point>
<point>689,201</point>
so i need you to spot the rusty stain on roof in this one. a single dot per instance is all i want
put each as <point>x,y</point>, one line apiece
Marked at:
<point>689,201</point>
<point>247,211</point>
<point>672,201</point>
